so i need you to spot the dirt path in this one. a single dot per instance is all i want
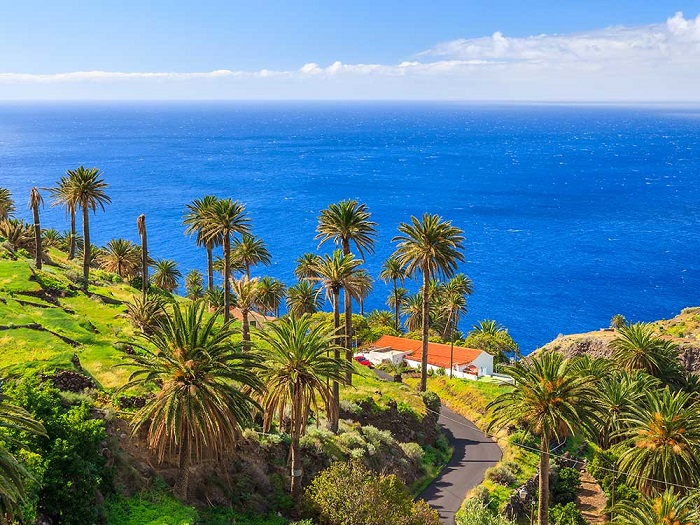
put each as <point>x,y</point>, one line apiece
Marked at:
<point>591,500</point>
<point>473,454</point>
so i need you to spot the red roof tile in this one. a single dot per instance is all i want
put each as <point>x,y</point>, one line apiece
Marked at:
<point>438,353</point>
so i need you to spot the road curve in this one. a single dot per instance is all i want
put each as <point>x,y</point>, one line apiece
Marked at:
<point>474,452</point>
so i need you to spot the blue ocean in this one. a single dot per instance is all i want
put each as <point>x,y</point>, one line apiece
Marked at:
<point>571,213</point>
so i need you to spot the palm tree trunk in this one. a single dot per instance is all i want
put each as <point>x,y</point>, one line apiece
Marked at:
<point>210,268</point>
<point>245,331</point>
<point>296,468</point>
<point>37,237</point>
<point>144,255</point>
<point>334,412</point>
<point>227,276</point>
<point>396,307</point>
<point>543,509</point>
<point>71,243</point>
<point>183,473</point>
<point>348,334</point>
<point>424,329</point>
<point>86,245</point>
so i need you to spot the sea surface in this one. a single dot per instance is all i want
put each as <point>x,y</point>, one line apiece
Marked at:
<point>571,213</point>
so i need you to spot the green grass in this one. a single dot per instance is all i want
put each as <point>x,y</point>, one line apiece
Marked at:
<point>17,276</point>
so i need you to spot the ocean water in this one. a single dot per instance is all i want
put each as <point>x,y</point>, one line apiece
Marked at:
<point>571,214</point>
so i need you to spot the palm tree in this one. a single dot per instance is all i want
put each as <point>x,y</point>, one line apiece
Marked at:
<point>336,272</point>
<point>246,293</point>
<point>491,337</point>
<point>51,238</point>
<point>395,301</point>
<point>347,222</point>
<point>220,220</point>
<point>394,272</point>
<point>36,200</point>
<point>194,285</point>
<point>271,293</point>
<point>303,298</point>
<point>305,266</point>
<point>665,508</point>
<point>432,247</point>
<point>13,473</point>
<point>7,205</point>
<point>637,347</point>
<point>194,219</point>
<point>166,275</point>
<point>250,251</point>
<point>204,385</point>
<point>121,257</point>
<point>89,190</point>
<point>454,304</point>
<point>412,309</point>
<point>145,313</point>
<point>662,441</point>
<point>363,289</point>
<point>141,226</point>
<point>64,195</point>
<point>550,400</point>
<point>235,265</point>
<point>298,369</point>
<point>17,234</point>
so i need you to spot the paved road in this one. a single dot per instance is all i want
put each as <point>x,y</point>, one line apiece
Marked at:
<point>473,454</point>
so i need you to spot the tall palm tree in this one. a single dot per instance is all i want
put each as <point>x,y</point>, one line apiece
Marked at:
<point>7,205</point>
<point>395,301</point>
<point>89,189</point>
<point>432,247</point>
<point>662,441</point>
<point>166,275</point>
<point>454,305</point>
<point>637,347</point>
<point>412,309</point>
<point>35,201</point>
<point>363,289</point>
<point>665,508</point>
<point>194,285</point>
<point>394,272</point>
<point>64,195</point>
<point>305,266</point>
<point>250,251</point>
<point>550,400</point>
<point>246,294</point>
<point>221,219</point>
<point>336,272</point>
<point>271,294</point>
<point>203,384</point>
<point>298,369</point>
<point>194,219</point>
<point>303,298</point>
<point>141,226</point>
<point>234,264</point>
<point>13,474</point>
<point>347,222</point>
<point>120,256</point>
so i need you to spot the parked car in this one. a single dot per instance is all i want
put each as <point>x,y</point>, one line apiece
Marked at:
<point>363,361</point>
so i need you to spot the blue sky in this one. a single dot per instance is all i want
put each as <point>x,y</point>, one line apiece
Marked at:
<point>444,49</point>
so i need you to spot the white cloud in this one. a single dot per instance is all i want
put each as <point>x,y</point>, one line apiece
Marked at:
<point>652,62</point>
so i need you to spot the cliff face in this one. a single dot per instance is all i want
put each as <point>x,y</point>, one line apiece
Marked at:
<point>684,330</point>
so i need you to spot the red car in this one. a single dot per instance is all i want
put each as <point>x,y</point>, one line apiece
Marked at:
<point>363,360</point>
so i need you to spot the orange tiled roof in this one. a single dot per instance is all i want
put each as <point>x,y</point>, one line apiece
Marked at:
<point>438,353</point>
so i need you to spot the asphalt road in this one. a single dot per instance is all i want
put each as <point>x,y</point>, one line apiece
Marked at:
<point>474,452</point>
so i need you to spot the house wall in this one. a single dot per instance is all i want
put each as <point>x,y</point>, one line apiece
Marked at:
<point>484,363</point>
<point>455,373</point>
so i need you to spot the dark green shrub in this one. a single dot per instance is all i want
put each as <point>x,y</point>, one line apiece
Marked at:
<point>566,515</point>
<point>501,474</point>
<point>566,483</point>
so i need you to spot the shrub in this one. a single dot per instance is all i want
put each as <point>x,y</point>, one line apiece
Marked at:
<point>524,438</point>
<point>501,474</point>
<point>481,494</point>
<point>566,483</point>
<point>348,493</point>
<point>149,508</point>
<point>431,400</point>
<point>566,515</point>
<point>351,440</point>
<point>377,437</point>
<point>473,512</point>
<point>413,451</point>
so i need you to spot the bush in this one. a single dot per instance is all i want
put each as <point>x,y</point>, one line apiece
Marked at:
<point>413,451</point>
<point>566,515</point>
<point>377,437</point>
<point>502,475</point>
<point>524,438</point>
<point>473,512</point>
<point>348,493</point>
<point>431,400</point>
<point>566,483</point>
<point>148,509</point>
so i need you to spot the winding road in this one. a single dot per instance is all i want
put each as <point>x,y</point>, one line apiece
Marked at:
<point>474,452</point>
